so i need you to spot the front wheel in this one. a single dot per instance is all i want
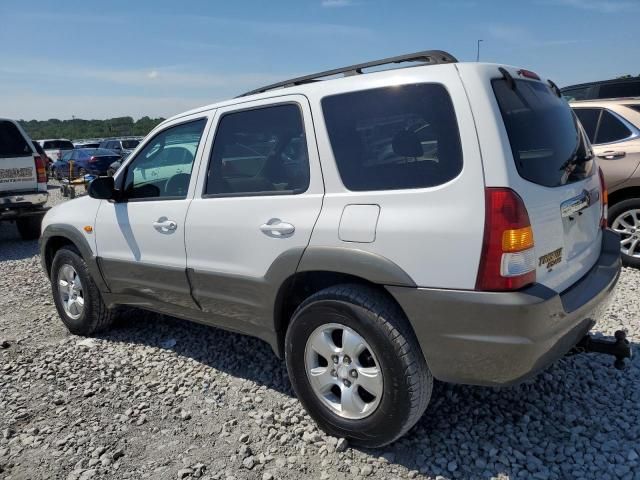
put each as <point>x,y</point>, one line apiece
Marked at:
<point>356,365</point>
<point>76,296</point>
<point>624,218</point>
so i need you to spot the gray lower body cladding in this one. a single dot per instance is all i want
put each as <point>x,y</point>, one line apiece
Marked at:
<point>494,338</point>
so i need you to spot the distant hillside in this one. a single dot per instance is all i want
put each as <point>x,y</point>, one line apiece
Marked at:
<point>77,128</point>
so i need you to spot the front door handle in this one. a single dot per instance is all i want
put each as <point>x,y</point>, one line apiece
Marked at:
<point>276,228</point>
<point>610,155</point>
<point>165,225</point>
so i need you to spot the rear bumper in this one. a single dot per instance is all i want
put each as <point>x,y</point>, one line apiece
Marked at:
<point>495,338</point>
<point>15,206</point>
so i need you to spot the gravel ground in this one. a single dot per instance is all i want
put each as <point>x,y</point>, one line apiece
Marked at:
<point>163,398</point>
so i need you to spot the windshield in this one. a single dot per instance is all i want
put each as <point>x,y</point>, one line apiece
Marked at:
<point>549,147</point>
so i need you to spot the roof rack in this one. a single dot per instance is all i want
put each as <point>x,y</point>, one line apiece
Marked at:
<point>427,57</point>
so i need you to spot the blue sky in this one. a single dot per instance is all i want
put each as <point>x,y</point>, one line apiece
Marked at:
<point>97,59</point>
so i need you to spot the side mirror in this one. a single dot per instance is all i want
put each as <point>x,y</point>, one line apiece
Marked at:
<point>102,188</point>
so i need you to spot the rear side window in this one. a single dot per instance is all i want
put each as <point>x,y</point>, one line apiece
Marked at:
<point>611,129</point>
<point>618,90</point>
<point>12,143</point>
<point>394,137</point>
<point>547,144</point>
<point>259,151</point>
<point>589,119</point>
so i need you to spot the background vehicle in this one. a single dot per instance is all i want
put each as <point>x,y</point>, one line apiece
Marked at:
<point>613,126</point>
<point>614,88</point>
<point>378,230</point>
<point>54,148</point>
<point>23,180</point>
<point>94,161</point>
<point>124,146</point>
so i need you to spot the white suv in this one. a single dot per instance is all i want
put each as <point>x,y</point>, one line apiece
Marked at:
<point>378,230</point>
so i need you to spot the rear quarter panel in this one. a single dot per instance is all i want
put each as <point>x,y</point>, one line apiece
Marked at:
<point>433,234</point>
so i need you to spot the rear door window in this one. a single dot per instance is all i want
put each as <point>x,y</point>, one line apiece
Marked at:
<point>589,119</point>
<point>547,144</point>
<point>394,137</point>
<point>611,129</point>
<point>262,151</point>
<point>12,143</point>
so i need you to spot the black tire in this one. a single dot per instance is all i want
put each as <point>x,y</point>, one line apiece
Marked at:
<point>615,211</point>
<point>72,192</point>
<point>408,383</point>
<point>29,227</point>
<point>95,317</point>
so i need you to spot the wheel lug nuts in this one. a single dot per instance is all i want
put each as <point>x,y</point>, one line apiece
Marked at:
<point>346,360</point>
<point>334,358</point>
<point>347,383</point>
<point>353,373</point>
<point>333,373</point>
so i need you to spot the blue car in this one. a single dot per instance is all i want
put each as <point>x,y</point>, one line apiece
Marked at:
<point>94,161</point>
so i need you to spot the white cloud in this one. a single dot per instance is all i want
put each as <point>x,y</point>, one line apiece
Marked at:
<point>518,36</point>
<point>337,3</point>
<point>603,6</point>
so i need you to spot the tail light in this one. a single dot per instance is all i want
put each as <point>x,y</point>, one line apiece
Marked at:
<point>93,160</point>
<point>508,258</point>
<point>605,199</point>
<point>41,169</point>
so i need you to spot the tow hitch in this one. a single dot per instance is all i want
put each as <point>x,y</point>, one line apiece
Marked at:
<point>620,348</point>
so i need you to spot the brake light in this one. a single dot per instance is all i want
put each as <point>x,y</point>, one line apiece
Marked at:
<point>508,259</point>
<point>605,199</point>
<point>41,169</point>
<point>528,74</point>
<point>93,160</point>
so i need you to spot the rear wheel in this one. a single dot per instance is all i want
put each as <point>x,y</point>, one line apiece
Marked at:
<point>76,296</point>
<point>624,218</point>
<point>356,366</point>
<point>29,227</point>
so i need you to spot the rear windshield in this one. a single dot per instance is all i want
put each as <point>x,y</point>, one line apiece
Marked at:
<point>58,145</point>
<point>12,143</point>
<point>130,143</point>
<point>394,137</point>
<point>549,148</point>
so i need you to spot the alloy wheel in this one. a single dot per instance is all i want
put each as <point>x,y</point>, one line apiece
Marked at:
<point>343,371</point>
<point>627,224</point>
<point>70,291</point>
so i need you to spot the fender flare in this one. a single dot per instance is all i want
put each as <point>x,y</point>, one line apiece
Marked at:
<point>360,263</point>
<point>73,235</point>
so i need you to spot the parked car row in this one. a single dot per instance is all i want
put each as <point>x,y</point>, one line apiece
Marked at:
<point>379,230</point>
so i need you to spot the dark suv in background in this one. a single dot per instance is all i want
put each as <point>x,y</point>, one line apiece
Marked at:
<point>124,146</point>
<point>614,88</point>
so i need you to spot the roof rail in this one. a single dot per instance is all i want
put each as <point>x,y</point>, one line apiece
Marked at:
<point>427,57</point>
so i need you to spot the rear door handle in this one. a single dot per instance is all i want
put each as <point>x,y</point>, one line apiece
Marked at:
<point>610,155</point>
<point>165,225</point>
<point>276,228</point>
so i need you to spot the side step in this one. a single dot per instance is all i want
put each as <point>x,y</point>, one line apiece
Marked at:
<point>620,348</point>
